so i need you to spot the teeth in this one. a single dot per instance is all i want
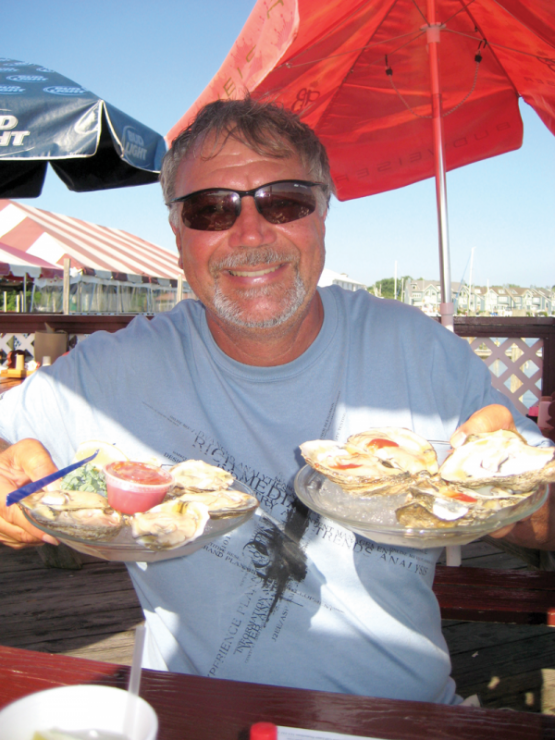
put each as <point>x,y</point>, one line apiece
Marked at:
<point>251,273</point>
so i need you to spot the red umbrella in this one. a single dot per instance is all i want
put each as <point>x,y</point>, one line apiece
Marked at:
<point>397,90</point>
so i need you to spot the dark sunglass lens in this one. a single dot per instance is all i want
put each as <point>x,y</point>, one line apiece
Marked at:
<point>215,210</point>
<point>284,202</point>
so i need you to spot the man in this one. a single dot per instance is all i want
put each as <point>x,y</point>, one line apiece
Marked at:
<point>263,362</point>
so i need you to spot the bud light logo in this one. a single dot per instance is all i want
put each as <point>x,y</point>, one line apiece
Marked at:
<point>11,90</point>
<point>27,78</point>
<point>62,90</point>
<point>9,137</point>
<point>8,69</point>
<point>134,144</point>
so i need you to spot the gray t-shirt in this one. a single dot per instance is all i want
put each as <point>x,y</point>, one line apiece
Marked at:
<point>289,598</point>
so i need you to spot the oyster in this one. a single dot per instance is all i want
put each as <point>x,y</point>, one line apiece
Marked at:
<point>400,447</point>
<point>196,475</point>
<point>436,503</point>
<point>82,514</point>
<point>222,504</point>
<point>170,524</point>
<point>417,516</point>
<point>353,469</point>
<point>501,459</point>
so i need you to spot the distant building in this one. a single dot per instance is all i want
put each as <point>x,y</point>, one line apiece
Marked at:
<point>424,294</point>
<point>329,277</point>
<point>493,300</point>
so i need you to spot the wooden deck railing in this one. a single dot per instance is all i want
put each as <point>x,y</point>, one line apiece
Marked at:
<point>484,334</point>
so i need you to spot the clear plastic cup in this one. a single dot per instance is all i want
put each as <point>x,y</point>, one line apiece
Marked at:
<point>78,708</point>
<point>134,486</point>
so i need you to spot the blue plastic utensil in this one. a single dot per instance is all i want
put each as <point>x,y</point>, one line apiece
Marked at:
<point>30,488</point>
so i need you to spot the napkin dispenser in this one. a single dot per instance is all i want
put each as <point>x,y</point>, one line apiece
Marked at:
<point>51,344</point>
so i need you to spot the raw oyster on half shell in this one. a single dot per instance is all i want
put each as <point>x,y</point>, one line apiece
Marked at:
<point>222,504</point>
<point>401,447</point>
<point>196,475</point>
<point>438,504</point>
<point>384,460</point>
<point>500,459</point>
<point>170,524</point>
<point>82,514</point>
<point>353,469</point>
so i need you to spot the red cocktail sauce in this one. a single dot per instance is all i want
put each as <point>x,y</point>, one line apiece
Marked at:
<point>140,473</point>
<point>135,486</point>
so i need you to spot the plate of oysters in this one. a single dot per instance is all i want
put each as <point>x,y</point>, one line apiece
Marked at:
<point>89,509</point>
<point>386,484</point>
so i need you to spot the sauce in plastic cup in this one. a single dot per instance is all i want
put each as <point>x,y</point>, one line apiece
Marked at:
<point>135,486</point>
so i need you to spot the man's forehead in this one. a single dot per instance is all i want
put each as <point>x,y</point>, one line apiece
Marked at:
<point>216,161</point>
<point>212,144</point>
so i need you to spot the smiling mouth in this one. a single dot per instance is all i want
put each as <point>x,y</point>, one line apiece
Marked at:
<point>254,273</point>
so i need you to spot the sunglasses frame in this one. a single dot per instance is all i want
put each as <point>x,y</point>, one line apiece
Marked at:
<point>250,193</point>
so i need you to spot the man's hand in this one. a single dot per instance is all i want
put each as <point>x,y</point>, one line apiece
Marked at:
<point>21,463</point>
<point>536,531</point>
<point>489,419</point>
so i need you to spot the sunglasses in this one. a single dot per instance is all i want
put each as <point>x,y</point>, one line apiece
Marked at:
<point>217,209</point>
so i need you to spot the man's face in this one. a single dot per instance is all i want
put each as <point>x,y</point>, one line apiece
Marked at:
<point>255,274</point>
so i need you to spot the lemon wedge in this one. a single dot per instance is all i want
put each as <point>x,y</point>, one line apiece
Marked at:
<point>107,453</point>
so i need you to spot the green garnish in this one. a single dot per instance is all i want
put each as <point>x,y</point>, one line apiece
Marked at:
<point>87,478</point>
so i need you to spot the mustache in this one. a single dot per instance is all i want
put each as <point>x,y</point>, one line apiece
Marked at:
<point>251,258</point>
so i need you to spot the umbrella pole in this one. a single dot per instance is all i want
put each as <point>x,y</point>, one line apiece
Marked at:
<point>432,37</point>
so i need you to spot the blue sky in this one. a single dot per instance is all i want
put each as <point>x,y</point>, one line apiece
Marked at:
<point>152,60</point>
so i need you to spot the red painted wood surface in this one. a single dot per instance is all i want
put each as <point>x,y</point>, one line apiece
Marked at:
<point>198,708</point>
<point>488,595</point>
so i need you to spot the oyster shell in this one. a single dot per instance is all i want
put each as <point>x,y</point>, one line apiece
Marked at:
<point>353,469</point>
<point>417,516</point>
<point>196,475</point>
<point>222,504</point>
<point>501,459</point>
<point>170,524</point>
<point>448,513</point>
<point>82,514</point>
<point>401,447</point>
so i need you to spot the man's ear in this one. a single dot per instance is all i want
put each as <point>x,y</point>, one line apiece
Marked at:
<point>178,244</point>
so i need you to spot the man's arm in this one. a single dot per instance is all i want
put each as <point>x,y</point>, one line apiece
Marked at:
<point>21,463</point>
<point>536,531</point>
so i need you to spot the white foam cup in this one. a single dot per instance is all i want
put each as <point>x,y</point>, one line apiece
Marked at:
<point>83,707</point>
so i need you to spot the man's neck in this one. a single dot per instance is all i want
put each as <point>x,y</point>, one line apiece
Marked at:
<point>269,347</point>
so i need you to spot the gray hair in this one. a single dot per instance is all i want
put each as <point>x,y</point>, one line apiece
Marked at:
<point>268,129</point>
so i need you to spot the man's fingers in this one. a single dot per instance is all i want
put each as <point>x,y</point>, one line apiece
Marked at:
<point>499,533</point>
<point>21,463</point>
<point>489,419</point>
<point>15,526</point>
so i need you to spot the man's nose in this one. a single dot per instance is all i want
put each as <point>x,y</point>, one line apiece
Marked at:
<point>251,228</point>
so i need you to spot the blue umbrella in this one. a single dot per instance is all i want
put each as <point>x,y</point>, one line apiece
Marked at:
<point>46,117</point>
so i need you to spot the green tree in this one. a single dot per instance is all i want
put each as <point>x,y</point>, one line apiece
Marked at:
<point>386,287</point>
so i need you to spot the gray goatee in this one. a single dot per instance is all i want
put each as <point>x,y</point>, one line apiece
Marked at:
<point>229,310</point>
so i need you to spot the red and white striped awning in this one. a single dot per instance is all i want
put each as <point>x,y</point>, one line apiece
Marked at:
<point>30,234</point>
<point>14,263</point>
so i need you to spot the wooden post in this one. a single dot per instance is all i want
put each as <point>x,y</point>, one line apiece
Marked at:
<point>65,303</point>
<point>179,296</point>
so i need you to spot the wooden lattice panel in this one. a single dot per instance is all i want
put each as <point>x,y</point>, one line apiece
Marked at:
<point>9,342</point>
<point>522,362</point>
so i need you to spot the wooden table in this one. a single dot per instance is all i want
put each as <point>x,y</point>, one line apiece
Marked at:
<point>198,708</point>
<point>7,383</point>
